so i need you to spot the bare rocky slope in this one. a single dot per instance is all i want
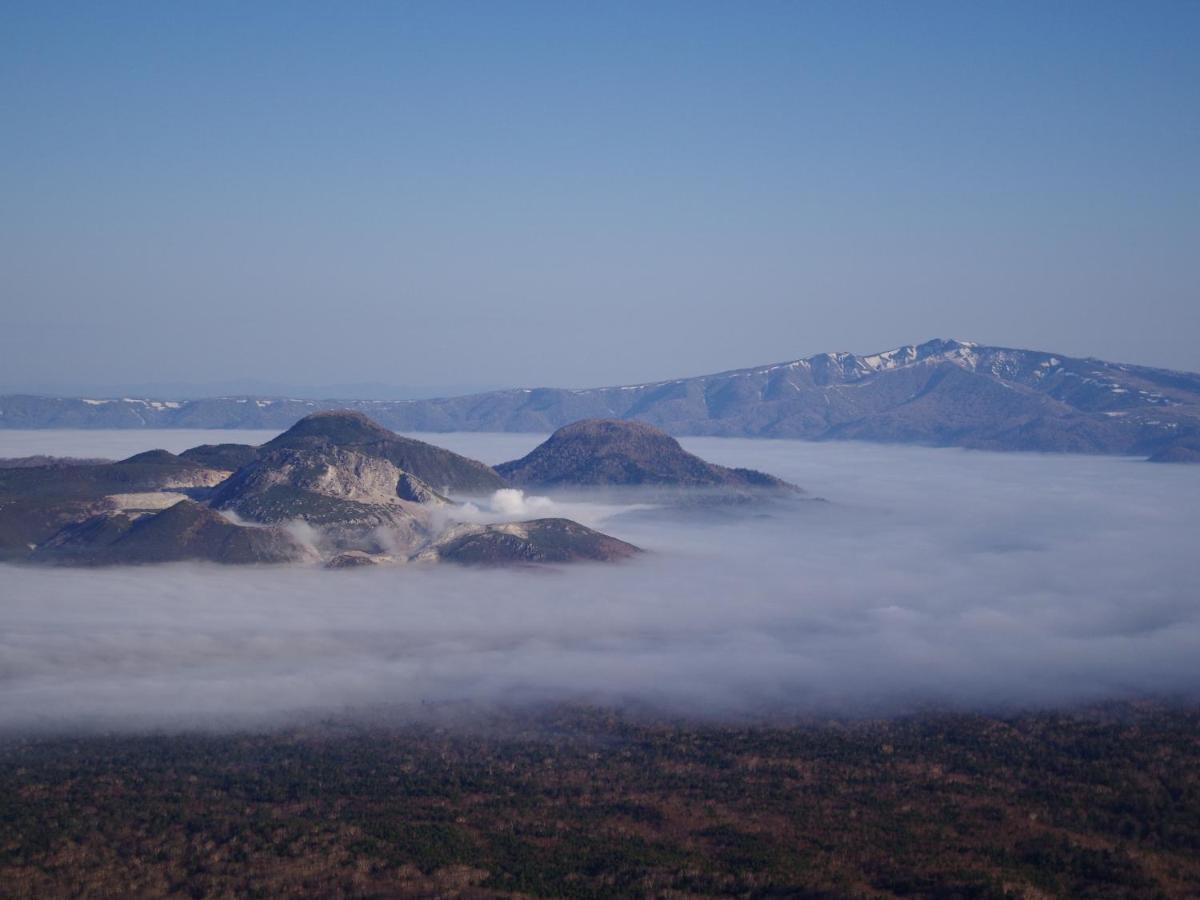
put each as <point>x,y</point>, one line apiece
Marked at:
<point>941,392</point>
<point>352,500</point>
<point>37,502</point>
<point>185,531</point>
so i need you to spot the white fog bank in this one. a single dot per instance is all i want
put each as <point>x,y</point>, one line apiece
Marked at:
<point>930,577</point>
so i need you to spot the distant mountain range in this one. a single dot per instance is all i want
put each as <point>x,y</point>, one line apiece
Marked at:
<point>246,387</point>
<point>942,393</point>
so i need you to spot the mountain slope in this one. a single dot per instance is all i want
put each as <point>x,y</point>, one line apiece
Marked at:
<point>942,392</point>
<point>185,531</point>
<point>1186,450</point>
<point>535,541</point>
<point>36,502</point>
<point>610,452</point>
<point>355,500</point>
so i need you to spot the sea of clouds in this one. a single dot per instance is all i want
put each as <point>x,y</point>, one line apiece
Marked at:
<point>929,577</point>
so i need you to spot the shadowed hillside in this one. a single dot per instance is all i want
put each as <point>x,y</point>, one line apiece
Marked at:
<point>613,453</point>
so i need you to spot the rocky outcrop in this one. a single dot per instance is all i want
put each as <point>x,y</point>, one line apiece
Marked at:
<point>413,489</point>
<point>354,500</point>
<point>358,559</point>
<point>328,470</point>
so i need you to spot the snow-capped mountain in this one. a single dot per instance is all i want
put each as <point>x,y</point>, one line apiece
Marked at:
<point>942,392</point>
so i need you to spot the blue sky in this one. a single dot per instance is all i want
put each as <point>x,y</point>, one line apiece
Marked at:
<point>575,194</point>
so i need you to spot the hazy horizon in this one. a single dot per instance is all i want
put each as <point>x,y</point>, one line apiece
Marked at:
<point>426,195</point>
<point>359,391</point>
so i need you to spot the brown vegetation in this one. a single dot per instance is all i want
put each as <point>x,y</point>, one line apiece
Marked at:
<point>588,803</point>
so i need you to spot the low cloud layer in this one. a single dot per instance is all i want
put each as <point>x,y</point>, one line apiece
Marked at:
<point>931,577</point>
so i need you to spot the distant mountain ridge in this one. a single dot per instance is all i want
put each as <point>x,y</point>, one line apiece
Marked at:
<point>941,392</point>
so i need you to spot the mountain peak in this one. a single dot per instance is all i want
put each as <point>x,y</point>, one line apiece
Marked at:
<point>622,452</point>
<point>338,426</point>
<point>155,458</point>
<point>440,469</point>
<point>609,430</point>
<point>946,345</point>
